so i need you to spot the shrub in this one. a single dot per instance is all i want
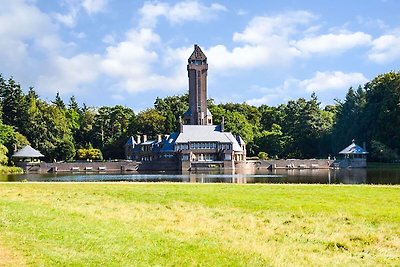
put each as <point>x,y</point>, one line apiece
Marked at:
<point>262,155</point>
<point>89,153</point>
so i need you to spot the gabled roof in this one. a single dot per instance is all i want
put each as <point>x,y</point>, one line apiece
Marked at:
<point>240,140</point>
<point>207,133</point>
<point>169,143</point>
<point>235,145</point>
<point>197,54</point>
<point>353,149</point>
<point>27,152</point>
<point>131,141</point>
<point>149,142</point>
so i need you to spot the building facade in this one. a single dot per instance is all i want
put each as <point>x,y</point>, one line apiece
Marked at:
<point>198,143</point>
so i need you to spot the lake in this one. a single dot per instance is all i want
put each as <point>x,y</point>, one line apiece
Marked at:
<point>371,175</point>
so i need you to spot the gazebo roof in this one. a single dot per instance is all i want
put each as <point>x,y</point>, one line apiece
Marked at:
<point>353,149</point>
<point>27,152</point>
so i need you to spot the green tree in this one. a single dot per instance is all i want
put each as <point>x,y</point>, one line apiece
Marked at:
<point>270,116</point>
<point>239,125</point>
<point>305,127</point>
<point>72,104</point>
<point>150,122</point>
<point>3,155</point>
<point>85,136</point>
<point>172,107</point>
<point>349,118</point>
<point>13,104</point>
<point>272,142</point>
<point>381,115</point>
<point>59,102</point>
<point>381,152</point>
<point>111,126</point>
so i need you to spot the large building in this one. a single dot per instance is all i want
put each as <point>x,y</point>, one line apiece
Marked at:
<point>197,143</point>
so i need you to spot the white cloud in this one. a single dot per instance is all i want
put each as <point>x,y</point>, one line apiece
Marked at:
<point>150,13</point>
<point>75,7</point>
<point>323,83</point>
<point>131,58</point>
<point>385,49</point>
<point>333,80</point>
<point>143,62</point>
<point>191,10</point>
<point>79,35</point>
<point>241,12</point>
<point>109,39</point>
<point>261,30</point>
<point>69,19</point>
<point>332,43</point>
<point>21,20</point>
<point>275,41</point>
<point>94,6</point>
<point>371,22</point>
<point>24,28</point>
<point>136,64</point>
<point>288,90</point>
<point>38,53</point>
<point>265,42</point>
<point>117,97</point>
<point>249,56</point>
<point>68,75</point>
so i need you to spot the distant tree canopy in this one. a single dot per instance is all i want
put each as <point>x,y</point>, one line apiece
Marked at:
<point>297,129</point>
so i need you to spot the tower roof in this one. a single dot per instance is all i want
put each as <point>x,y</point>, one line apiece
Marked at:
<point>197,54</point>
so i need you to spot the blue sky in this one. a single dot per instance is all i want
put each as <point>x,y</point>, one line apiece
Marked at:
<point>128,52</point>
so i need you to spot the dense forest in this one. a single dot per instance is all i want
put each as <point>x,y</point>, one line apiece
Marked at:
<point>298,129</point>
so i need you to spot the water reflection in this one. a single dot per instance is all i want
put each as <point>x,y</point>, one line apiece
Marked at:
<point>314,176</point>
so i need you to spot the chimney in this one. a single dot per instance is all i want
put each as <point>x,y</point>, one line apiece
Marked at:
<point>159,138</point>
<point>137,139</point>
<point>365,146</point>
<point>223,124</point>
<point>144,138</point>
<point>180,125</point>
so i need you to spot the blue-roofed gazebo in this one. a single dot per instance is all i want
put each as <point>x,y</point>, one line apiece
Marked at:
<point>353,149</point>
<point>354,157</point>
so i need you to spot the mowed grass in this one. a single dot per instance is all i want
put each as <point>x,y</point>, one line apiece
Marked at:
<point>128,224</point>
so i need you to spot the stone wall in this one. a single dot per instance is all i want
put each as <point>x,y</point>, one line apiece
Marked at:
<point>158,165</point>
<point>171,165</point>
<point>289,164</point>
<point>79,166</point>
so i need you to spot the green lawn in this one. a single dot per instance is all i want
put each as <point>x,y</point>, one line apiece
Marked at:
<point>128,224</point>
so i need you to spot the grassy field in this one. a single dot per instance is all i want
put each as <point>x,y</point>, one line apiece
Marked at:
<point>127,224</point>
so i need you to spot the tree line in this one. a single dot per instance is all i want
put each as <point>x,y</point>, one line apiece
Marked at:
<point>297,129</point>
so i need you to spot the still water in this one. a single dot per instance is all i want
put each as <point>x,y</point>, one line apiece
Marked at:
<point>374,175</point>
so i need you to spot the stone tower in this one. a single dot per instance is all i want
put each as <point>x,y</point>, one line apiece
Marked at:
<point>198,113</point>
